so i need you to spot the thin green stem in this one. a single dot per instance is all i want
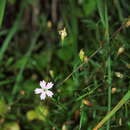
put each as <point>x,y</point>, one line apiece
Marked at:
<point>2,10</point>
<point>107,38</point>
<point>109,89</point>
<point>114,110</point>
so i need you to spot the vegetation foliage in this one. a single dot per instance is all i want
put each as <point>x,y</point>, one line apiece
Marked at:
<point>82,46</point>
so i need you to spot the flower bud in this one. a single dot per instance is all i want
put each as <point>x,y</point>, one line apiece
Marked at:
<point>81,55</point>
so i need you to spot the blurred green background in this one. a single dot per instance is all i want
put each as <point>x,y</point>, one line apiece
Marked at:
<point>90,67</point>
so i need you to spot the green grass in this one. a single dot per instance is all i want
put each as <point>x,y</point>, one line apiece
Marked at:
<point>88,94</point>
<point>2,10</point>
<point>124,100</point>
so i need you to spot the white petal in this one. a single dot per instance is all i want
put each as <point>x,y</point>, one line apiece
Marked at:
<point>49,85</point>
<point>38,90</point>
<point>43,84</point>
<point>43,96</point>
<point>49,93</point>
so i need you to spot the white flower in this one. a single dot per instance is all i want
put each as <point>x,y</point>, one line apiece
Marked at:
<point>44,90</point>
<point>63,33</point>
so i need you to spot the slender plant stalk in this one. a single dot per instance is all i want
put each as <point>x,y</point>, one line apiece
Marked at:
<point>109,79</point>
<point>2,10</point>
<point>114,110</point>
<point>93,54</point>
<point>109,89</point>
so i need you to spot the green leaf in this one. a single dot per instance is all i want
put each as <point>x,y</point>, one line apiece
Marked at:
<point>11,126</point>
<point>29,86</point>
<point>68,88</point>
<point>40,113</point>
<point>43,59</point>
<point>89,7</point>
<point>31,115</point>
<point>3,107</point>
<point>65,53</point>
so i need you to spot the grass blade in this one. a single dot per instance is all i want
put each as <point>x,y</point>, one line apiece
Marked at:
<point>10,35</point>
<point>101,12</point>
<point>2,10</point>
<point>114,110</point>
<point>27,56</point>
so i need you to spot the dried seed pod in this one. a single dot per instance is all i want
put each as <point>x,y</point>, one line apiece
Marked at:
<point>128,66</point>
<point>77,115</point>
<point>49,24</point>
<point>22,92</point>
<point>114,90</point>
<point>119,75</point>
<point>87,102</point>
<point>86,59</point>
<point>127,23</point>
<point>120,121</point>
<point>64,127</point>
<point>120,50</point>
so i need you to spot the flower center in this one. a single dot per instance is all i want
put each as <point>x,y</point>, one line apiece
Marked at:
<point>44,89</point>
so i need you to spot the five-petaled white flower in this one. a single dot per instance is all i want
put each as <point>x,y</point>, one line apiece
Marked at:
<point>44,90</point>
